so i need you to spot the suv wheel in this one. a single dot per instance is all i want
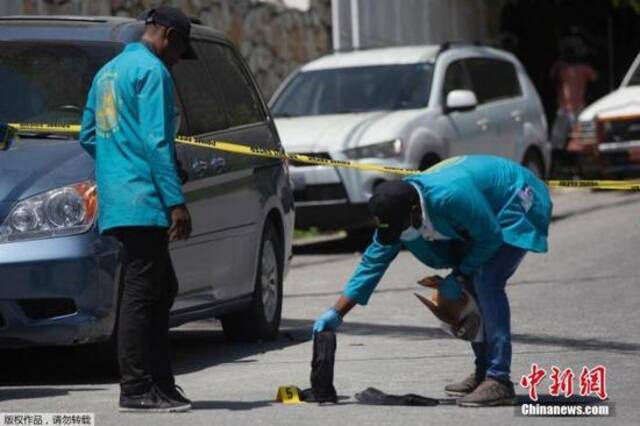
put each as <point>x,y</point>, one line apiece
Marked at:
<point>261,320</point>
<point>428,161</point>
<point>533,163</point>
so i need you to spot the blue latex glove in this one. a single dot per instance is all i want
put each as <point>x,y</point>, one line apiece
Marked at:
<point>330,320</point>
<point>450,288</point>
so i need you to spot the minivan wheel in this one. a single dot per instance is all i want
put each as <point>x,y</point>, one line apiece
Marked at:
<point>533,163</point>
<point>261,319</point>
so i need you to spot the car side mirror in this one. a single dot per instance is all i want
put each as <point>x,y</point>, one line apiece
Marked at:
<point>461,100</point>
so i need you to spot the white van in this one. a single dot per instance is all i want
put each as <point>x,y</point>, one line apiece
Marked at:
<point>606,140</point>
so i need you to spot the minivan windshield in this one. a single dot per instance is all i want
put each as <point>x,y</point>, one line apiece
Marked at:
<point>355,89</point>
<point>48,82</point>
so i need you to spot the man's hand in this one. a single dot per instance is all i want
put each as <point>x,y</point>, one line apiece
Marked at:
<point>330,320</point>
<point>180,223</point>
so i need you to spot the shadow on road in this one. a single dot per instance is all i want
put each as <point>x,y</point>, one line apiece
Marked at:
<point>299,327</point>
<point>628,198</point>
<point>39,392</point>
<point>337,246</point>
<point>192,350</point>
<point>230,405</point>
<point>585,344</point>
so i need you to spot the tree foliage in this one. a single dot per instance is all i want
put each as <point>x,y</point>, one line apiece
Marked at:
<point>634,4</point>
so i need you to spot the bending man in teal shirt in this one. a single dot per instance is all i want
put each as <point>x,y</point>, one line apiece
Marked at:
<point>497,211</point>
<point>128,127</point>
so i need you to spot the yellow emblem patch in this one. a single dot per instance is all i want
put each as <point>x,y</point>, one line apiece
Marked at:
<point>107,105</point>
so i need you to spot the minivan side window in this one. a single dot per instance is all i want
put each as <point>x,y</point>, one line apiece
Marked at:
<point>241,99</point>
<point>201,97</point>
<point>493,79</point>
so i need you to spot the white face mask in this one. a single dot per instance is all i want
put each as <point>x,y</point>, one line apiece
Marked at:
<point>410,234</point>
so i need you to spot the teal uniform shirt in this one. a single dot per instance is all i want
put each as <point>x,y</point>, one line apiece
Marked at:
<point>480,201</point>
<point>128,127</point>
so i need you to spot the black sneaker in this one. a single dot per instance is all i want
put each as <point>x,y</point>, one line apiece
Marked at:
<point>151,402</point>
<point>176,393</point>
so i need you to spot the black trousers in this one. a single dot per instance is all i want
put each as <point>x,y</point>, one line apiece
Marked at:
<point>149,289</point>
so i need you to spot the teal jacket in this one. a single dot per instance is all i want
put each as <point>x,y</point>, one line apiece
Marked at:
<point>128,127</point>
<point>479,201</point>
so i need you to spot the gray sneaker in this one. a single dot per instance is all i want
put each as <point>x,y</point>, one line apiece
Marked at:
<point>490,393</point>
<point>464,387</point>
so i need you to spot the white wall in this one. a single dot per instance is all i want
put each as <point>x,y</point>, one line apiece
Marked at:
<point>406,22</point>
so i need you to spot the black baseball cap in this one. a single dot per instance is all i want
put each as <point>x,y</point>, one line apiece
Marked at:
<point>172,17</point>
<point>391,205</point>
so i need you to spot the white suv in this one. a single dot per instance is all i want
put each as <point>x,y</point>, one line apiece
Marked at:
<point>606,140</point>
<point>404,107</point>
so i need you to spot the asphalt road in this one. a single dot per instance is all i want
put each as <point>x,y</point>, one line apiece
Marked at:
<point>577,305</point>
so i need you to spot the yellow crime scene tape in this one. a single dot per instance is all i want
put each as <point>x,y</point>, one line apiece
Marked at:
<point>619,185</point>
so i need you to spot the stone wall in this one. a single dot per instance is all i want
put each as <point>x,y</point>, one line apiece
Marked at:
<point>274,39</point>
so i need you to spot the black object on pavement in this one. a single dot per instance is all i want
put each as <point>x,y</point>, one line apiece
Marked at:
<point>324,355</point>
<point>373,396</point>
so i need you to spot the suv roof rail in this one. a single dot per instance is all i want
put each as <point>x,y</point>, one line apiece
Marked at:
<point>452,44</point>
<point>52,18</point>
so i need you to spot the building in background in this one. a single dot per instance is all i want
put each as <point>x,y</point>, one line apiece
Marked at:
<point>535,30</point>
<point>277,36</point>
<point>362,24</point>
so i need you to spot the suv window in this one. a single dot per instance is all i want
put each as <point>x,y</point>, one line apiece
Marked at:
<point>456,78</point>
<point>355,89</point>
<point>200,96</point>
<point>493,79</point>
<point>241,99</point>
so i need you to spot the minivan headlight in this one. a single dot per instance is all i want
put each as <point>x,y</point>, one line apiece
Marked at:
<point>59,212</point>
<point>385,149</point>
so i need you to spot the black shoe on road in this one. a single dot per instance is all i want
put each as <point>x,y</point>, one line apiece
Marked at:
<point>151,402</point>
<point>464,387</point>
<point>490,393</point>
<point>176,393</point>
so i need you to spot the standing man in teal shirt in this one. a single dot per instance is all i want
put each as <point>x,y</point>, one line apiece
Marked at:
<point>492,208</point>
<point>128,127</point>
